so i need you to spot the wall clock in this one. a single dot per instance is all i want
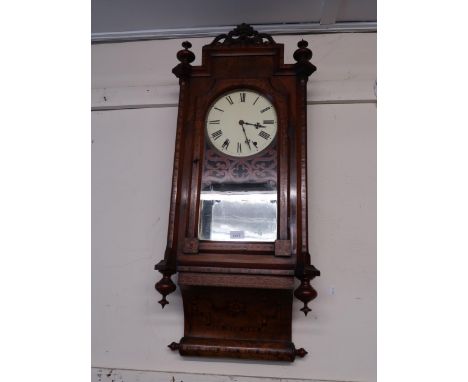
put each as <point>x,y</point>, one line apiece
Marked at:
<point>237,233</point>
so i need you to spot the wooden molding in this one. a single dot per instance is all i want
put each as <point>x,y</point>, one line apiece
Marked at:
<point>273,29</point>
<point>159,96</point>
<point>101,374</point>
<point>237,280</point>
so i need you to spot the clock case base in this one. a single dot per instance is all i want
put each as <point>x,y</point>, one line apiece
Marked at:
<point>246,323</point>
<point>240,349</point>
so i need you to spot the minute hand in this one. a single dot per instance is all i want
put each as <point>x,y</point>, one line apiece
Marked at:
<point>257,125</point>
<point>247,140</point>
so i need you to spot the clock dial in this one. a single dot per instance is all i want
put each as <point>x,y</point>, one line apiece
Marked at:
<point>241,123</point>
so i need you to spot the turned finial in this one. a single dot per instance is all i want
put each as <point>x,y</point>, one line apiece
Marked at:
<point>303,67</point>
<point>305,292</point>
<point>301,352</point>
<point>164,286</point>
<point>186,57</point>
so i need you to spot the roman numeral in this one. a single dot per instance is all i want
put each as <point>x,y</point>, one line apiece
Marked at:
<point>264,135</point>
<point>242,97</point>
<point>229,99</point>
<point>239,147</point>
<point>225,144</point>
<point>219,109</point>
<point>216,134</point>
<point>256,99</point>
<point>214,122</point>
<point>268,122</point>
<point>264,110</point>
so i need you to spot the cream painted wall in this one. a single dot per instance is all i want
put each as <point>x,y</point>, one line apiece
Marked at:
<point>133,130</point>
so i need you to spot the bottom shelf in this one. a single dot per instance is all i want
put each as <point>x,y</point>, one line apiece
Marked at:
<point>243,349</point>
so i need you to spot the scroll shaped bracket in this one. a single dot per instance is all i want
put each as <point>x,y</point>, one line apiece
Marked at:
<point>186,57</point>
<point>303,67</point>
<point>165,286</point>
<point>305,292</point>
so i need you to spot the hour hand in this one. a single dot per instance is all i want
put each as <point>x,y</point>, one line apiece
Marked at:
<point>257,125</point>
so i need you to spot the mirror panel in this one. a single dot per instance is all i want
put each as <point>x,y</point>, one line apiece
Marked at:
<point>239,215</point>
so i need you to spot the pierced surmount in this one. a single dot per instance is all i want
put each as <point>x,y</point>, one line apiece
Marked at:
<point>243,34</point>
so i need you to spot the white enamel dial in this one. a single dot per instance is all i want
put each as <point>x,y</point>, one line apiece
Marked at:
<point>241,123</point>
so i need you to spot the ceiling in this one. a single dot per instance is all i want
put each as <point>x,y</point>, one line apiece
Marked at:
<point>124,20</point>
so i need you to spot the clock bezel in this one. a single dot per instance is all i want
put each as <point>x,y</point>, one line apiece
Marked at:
<point>224,94</point>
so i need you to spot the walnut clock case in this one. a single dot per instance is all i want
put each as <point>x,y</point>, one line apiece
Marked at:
<point>237,232</point>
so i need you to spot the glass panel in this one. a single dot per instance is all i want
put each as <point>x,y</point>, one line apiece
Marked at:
<point>239,215</point>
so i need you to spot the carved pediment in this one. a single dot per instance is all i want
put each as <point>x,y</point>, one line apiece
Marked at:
<point>243,34</point>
